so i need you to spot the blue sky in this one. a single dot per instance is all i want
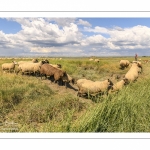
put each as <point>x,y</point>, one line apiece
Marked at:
<point>74,36</point>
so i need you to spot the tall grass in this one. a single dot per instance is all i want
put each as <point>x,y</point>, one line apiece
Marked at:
<point>30,103</point>
<point>127,111</point>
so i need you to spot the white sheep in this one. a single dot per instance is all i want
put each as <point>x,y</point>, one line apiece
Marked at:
<point>133,72</point>
<point>124,63</point>
<point>9,66</point>
<point>30,67</point>
<point>91,87</point>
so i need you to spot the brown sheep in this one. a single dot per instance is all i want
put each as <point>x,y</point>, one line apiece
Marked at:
<point>49,70</point>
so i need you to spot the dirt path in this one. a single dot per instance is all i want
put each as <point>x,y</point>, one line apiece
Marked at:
<point>62,90</point>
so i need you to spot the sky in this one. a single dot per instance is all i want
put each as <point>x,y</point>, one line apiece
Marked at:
<point>74,37</point>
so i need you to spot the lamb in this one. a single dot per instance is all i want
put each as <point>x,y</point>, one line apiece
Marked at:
<point>30,67</point>
<point>133,72</point>
<point>124,63</point>
<point>9,66</point>
<point>49,70</point>
<point>119,85</point>
<point>90,87</point>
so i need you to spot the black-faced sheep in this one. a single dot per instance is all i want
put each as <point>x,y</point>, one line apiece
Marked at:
<point>124,64</point>
<point>9,66</point>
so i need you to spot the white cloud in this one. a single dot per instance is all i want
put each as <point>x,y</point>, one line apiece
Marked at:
<point>97,29</point>
<point>84,23</point>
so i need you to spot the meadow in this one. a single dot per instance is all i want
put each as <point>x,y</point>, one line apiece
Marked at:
<point>29,104</point>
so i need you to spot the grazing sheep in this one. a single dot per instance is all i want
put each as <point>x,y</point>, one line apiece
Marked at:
<point>30,67</point>
<point>124,63</point>
<point>90,87</point>
<point>119,85</point>
<point>9,66</point>
<point>49,70</point>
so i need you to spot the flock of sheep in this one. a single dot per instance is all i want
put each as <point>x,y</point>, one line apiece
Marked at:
<point>85,86</point>
<point>88,87</point>
<point>39,68</point>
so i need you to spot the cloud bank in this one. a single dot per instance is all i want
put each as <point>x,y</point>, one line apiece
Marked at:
<point>69,37</point>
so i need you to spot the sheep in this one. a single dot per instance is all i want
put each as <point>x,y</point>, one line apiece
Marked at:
<point>79,85</point>
<point>49,70</point>
<point>33,61</point>
<point>124,63</point>
<point>9,66</point>
<point>119,85</point>
<point>133,72</point>
<point>30,67</point>
<point>96,60</point>
<point>90,87</point>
